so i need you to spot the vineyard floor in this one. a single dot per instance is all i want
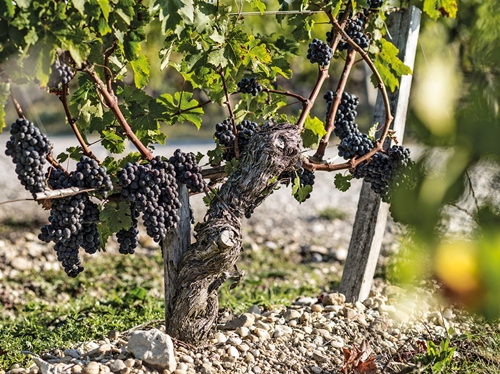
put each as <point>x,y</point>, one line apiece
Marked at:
<point>294,253</point>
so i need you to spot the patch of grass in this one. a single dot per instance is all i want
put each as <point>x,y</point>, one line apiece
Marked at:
<point>332,213</point>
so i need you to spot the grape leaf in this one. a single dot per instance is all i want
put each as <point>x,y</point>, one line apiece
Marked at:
<point>315,125</point>
<point>116,215</point>
<point>104,233</point>
<point>343,183</point>
<point>303,26</point>
<point>7,9</point>
<point>231,166</point>
<point>389,66</point>
<point>140,66</point>
<point>302,193</point>
<point>112,142</point>
<point>296,185</point>
<point>215,156</point>
<point>104,4</point>
<point>259,5</point>
<point>165,53</point>
<point>199,156</point>
<point>443,8</point>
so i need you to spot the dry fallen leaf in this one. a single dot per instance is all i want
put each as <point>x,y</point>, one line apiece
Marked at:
<point>358,360</point>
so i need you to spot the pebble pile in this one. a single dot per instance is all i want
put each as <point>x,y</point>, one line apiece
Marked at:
<point>306,337</point>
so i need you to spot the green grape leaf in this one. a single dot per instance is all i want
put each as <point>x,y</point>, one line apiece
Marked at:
<point>259,5</point>
<point>215,156</point>
<point>116,215</point>
<point>309,139</point>
<point>181,102</point>
<point>165,53</point>
<point>302,193</point>
<point>303,25</point>
<point>104,4</point>
<point>343,183</point>
<point>231,166</point>
<point>373,131</point>
<point>202,20</point>
<point>6,9</point>
<point>80,5</point>
<point>173,12</point>
<point>99,124</point>
<point>4,96</point>
<point>315,125</point>
<point>389,66</point>
<point>199,156</point>
<point>73,153</point>
<point>140,66</point>
<point>296,185</point>
<point>103,27</point>
<point>443,8</point>
<point>104,233</point>
<point>112,141</point>
<point>217,58</point>
<point>111,166</point>
<point>131,157</point>
<point>131,44</point>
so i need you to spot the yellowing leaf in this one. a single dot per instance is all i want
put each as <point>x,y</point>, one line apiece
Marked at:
<point>140,66</point>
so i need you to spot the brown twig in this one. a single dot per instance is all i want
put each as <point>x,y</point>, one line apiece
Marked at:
<point>55,164</point>
<point>113,106</point>
<point>335,105</point>
<point>19,111</point>
<point>302,99</point>
<point>228,103</point>
<point>72,123</point>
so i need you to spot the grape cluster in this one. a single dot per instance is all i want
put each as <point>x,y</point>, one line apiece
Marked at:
<point>72,224</point>
<point>373,4</point>
<point>354,28</point>
<point>89,233</point>
<point>355,144</point>
<point>346,114</point>
<point>153,188</point>
<point>88,174</point>
<point>224,133</point>
<point>60,74</point>
<point>250,86</point>
<point>385,171</point>
<point>306,179</point>
<point>129,239</point>
<point>28,149</point>
<point>188,171</point>
<point>319,52</point>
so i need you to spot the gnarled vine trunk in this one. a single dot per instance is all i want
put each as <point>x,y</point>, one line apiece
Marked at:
<point>192,284</point>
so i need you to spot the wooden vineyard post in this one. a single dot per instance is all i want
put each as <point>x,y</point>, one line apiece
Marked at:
<point>371,216</point>
<point>174,246</point>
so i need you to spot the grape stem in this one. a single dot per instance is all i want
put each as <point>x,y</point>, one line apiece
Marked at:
<point>323,72</point>
<point>72,123</point>
<point>228,103</point>
<point>351,56</point>
<point>113,106</point>
<point>19,110</point>
<point>107,71</point>
<point>300,98</point>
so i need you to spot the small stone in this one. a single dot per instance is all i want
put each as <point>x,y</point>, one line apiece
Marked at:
<point>379,301</point>
<point>349,313</point>
<point>359,306</point>
<point>129,362</point>
<point>333,299</point>
<point>220,337</point>
<point>306,301</point>
<point>262,334</point>
<point>154,348</point>
<point>448,314</point>
<point>307,329</point>
<point>291,314</point>
<point>278,334</point>
<point>283,328</point>
<point>21,263</point>
<point>387,308</point>
<point>91,368</point>
<point>104,369</point>
<point>113,335</point>
<point>341,254</point>
<point>249,358</point>
<point>243,331</point>
<point>17,371</point>
<point>117,366</point>
<point>316,369</point>
<point>317,308</point>
<point>76,369</point>
<point>318,357</point>
<point>254,309</point>
<point>262,325</point>
<point>243,347</point>
<point>104,348</point>
<point>333,308</point>
<point>234,341</point>
<point>187,358</point>
<point>233,352</point>
<point>245,320</point>
<point>368,302</point>
<point>336,344</point>
<point>75,353</point>
<point>205,370</point>
<point>400,316</point>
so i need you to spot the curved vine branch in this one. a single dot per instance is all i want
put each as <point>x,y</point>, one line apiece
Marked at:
<point>300,98</point>
<point>113,106</point>
<point>72,123</point>
<point>228,103</point>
